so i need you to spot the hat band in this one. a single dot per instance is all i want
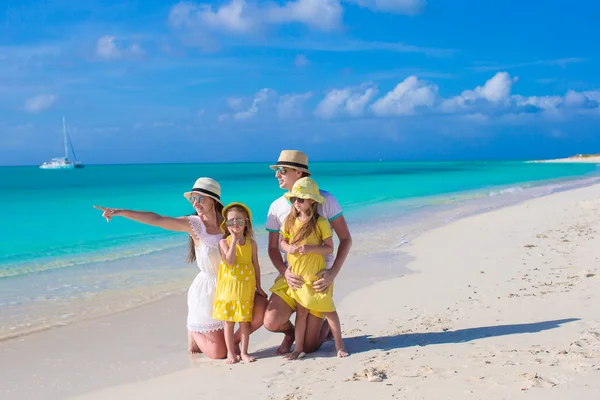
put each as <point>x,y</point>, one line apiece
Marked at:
<point>208,192</point>
<point>292,164</point>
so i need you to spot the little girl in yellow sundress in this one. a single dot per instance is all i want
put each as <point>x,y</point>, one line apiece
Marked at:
<point>306,238</point>
<point>238,278</point>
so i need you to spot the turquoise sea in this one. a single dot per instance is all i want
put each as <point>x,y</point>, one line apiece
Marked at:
<point>57,254</point>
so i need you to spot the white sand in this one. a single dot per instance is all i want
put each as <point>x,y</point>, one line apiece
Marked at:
<point>574,159</point>
<point>503,305</point>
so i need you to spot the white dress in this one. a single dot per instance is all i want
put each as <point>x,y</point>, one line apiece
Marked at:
<point>202,291</point>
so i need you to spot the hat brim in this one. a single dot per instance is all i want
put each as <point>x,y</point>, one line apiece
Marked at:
<point>316,197</point>
<point>235,203</point>
<point>290,167</point>
<point>187,195</point>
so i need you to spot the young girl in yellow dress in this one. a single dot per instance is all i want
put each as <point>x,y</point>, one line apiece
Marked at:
<point>238,278</point>
<point>307,237</point>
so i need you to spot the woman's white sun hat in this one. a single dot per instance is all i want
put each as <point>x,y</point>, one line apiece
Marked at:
<point>206,187</point>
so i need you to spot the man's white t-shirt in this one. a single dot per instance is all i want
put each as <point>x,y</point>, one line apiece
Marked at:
<point>281,207</point>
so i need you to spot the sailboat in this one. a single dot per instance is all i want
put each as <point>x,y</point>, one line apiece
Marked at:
<point>63,162</point>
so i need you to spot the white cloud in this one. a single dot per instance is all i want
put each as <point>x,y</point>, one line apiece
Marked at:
<point>292,105</point>
<point>260,99</point>
<point>109,48</point>
<point>559,62</point>
<point>39,103</point>
<point>301,61</point>
<point>350,101</point>
<point>408,7</point>
<point>325,15</point>
<point>236,16</point>
<point>496,90</point>
<point>247,17</point>
<point>413,96</point>
<point>407,98</point>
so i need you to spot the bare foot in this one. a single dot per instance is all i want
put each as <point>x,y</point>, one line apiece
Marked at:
<point>296,355</point>
<point>248,358</point>
<point>341,353</point>
<point>232,359</point>
<point>286,344</point>
<point>237,349</point>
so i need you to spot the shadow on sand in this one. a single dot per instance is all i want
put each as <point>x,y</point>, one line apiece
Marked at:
<point>363,343</point>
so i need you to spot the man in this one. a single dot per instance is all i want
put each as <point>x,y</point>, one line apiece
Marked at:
<point>291,166</point>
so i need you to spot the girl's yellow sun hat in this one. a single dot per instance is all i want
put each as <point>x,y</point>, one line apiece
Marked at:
<point>306,188</point>
<point>228,207</point>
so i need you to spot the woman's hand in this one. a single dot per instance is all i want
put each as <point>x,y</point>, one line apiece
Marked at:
<point>325,279</point>
<point>108,213</point>
<point>294,281</point>
<point>261,292</point>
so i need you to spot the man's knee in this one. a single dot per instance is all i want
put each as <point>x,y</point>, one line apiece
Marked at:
<point>277,315</point>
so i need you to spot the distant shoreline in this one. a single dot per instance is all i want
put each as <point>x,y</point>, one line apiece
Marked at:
<point>579,158</point>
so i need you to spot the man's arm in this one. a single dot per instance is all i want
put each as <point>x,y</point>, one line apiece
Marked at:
<point>293,280</point>
<point>275,254</point>
<point>340,227</point>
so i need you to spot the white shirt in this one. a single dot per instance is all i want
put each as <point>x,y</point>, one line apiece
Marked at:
<point>280,208</point>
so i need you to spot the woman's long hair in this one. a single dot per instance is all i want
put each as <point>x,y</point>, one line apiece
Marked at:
<point>307,227</point>
<point>191,257</point>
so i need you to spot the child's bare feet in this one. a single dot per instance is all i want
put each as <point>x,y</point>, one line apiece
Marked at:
<point>341,353</point>
<point>296,355</point>
<point>232,359</point>
<point>247,358</point>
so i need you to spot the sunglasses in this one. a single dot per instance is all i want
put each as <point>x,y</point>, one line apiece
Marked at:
<point>197,198</point>
<point>235,221</point>
<point>296,199</point>
<point>281,170</point>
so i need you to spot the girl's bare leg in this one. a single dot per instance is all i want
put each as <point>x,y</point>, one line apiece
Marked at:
<point>335,325</point>
<point>300,331</point>
<point>258,312</point>
<point>230,342</point>
<point>245,329</point>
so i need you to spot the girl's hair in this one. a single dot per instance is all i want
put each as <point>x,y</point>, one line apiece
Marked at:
<point>248,231</point>
<point>307,228</point>
<point>191,257</point>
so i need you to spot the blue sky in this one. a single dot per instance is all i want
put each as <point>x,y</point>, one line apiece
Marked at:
<point>239,80</point>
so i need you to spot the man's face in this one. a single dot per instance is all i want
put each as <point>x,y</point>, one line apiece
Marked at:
<point>287,177</point>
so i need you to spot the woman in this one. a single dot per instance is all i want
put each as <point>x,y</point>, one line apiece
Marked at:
<point>205,334</point>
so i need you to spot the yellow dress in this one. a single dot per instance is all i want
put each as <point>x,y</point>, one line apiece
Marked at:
<point>236,284</point>
<point>307,266</point>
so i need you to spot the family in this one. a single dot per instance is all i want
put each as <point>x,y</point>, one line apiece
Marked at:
<point>228,290</point>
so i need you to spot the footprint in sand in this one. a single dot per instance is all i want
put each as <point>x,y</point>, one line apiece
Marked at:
<point>371,374</point>
<point>535,380</point>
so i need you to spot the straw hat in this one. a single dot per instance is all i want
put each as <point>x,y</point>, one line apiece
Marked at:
<point>207,187</point>
<point>235,203</point>
<point>306,188</point>
<point>292,159</point>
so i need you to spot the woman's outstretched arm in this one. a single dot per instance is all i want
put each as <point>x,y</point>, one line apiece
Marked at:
<point>180,224</point>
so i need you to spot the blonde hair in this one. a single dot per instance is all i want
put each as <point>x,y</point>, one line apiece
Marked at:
<point>307,227</point>
<point>248,231</point>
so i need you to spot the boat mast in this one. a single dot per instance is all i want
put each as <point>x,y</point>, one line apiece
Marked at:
<point>65,137</point>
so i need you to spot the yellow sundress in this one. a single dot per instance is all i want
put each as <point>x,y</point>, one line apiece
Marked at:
<point>307,266</point>
<point>236,285</point>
